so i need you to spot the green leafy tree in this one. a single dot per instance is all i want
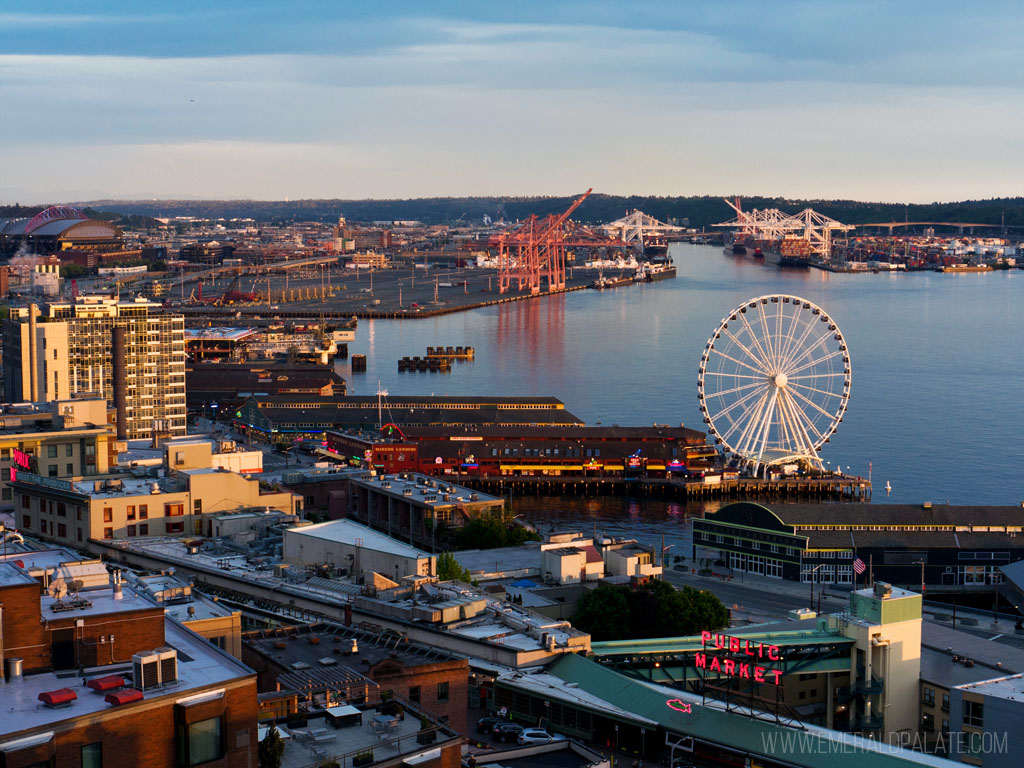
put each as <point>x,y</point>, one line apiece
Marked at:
<point>655,609</point>
<point>271,751</point>
<point>491,531</point>
<point>448,568</point>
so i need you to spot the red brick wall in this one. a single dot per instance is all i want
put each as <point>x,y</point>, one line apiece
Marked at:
<point>23,633</point>
<point>427,677</point>
<point>133,631</point>
<point>143,735</point>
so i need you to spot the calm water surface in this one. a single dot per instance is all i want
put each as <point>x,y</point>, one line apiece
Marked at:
<point>937,370</point>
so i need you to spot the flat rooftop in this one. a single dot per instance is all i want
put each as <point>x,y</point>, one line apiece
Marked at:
<point>353,534</point>
<point>1011,687</point>
<point>373,648</point>
<point>504,559</point>
<point>11,575</point>
<point>200,665</point>
<point>427,491</point>
<point>46,559</point>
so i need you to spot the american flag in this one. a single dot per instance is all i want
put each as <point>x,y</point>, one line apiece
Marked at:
<point>859,567</point>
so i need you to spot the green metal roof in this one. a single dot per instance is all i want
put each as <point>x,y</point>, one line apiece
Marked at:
<point>814,747</point>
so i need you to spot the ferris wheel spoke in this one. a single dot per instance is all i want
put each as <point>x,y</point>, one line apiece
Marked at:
<point>790,437</point>
<point>810,348</point>
<point>741,404</point>
<point>772,354</point>
<point>734,390</point>
<point>809,388</point>
<point>805,426</point>
<point>832,375</point>
<point>762,363</point>
<point>732,359</point>
<point>751,423</point>
<point>766,425</point>
<point>754,337</point>
<point>793,337</point>
<point>810,404</point>
<point>742,422</point>
<point>734,375</point>
<point>802,439</point>
<point>815,362</point>
<point>801,342</point>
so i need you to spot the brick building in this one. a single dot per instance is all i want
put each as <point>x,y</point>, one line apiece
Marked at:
<point>99,676</point>
<point>429,679</point>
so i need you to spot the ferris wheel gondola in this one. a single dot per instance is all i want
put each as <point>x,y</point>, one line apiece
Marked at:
<point>774,382</point>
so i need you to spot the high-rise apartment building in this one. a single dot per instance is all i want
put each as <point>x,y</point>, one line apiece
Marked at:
<point>64,349</point>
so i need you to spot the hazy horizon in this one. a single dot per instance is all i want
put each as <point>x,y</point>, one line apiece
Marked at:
<point>870,101</point>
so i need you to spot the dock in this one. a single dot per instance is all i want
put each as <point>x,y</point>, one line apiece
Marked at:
<point>839,487</point>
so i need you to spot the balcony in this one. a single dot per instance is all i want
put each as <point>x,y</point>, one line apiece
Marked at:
<point>872,723</point>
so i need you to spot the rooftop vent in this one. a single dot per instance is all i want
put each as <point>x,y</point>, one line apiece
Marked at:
<point>883,589</point>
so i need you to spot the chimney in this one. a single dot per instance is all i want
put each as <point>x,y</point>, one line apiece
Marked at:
<point>116,576</point>
<point>33,362</point>
<point>120,384</point>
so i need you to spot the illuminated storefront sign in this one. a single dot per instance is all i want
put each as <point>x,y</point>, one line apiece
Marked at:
<point>752,669</point>
<point>22,459</point>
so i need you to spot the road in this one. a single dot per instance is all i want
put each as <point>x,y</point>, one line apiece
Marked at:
<point>761,599</point>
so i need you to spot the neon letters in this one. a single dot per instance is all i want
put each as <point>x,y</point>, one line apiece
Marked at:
<point>750,670</point>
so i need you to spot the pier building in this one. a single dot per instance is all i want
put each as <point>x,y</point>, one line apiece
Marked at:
<point>936,547</point>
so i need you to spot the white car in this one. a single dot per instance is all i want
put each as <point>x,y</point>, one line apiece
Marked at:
<point>538,736</point>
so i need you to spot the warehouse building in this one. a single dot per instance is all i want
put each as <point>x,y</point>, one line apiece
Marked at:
<point>355,550</point>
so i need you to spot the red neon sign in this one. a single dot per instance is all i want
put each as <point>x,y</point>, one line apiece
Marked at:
<point>22,459</point>
<point>739,668</point>
<point>680,706</point>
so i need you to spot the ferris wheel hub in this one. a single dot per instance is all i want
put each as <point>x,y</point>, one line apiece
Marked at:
<point>780,380</point>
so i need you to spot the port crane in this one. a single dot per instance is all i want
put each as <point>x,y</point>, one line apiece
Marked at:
<point>772,224</point>
<point>535,250</point>
<point>638,227</point>
<point>233,295</point>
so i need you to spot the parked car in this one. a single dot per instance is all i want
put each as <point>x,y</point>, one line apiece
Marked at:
<point>505,731</point>
<point>537,736</point>
<point>486,724</point>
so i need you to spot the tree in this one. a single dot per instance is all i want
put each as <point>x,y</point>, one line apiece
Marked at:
<point>271,751</point>
<point>491,531</point>
<point>655,609</point>
<point>448,568</point>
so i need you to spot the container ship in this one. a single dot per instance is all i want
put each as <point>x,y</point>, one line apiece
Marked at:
<point>793,252</point>
<point>649,273</point>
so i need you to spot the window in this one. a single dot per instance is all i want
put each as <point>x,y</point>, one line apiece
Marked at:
<point>973,713</point>
<point>25,503</point>
<point>6,494</point>
<point>143,511</point>
<point>26,521</point>
<point>62,511</point>
<point>62,530</point>
<point>178,527</point>
<point>92,755</point>
<point>928,697</point>
<point>69,450</point>
<point>79,534</point>
<point>131,530</point>
<point>108,533</point>
<point>5,454</point>
<point>51,471</point>
<point>197,507</point>
<point>414,694</point>
<point>945,702</point>
<point>70,469</point>
<point>144,529</point>
<point>928,722</point>
<point>130,512</point>
<point>442,691</point>
<point>51,451</point>
<point>174,510</point>
<point>201,742</point>
<point>78,513</point>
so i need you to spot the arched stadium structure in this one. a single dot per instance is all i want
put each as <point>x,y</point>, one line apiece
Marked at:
<point>57,228</point>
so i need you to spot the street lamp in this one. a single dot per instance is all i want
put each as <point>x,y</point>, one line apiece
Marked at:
<point>813,571</point>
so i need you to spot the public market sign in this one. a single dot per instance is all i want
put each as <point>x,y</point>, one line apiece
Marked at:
<point>720,651</point>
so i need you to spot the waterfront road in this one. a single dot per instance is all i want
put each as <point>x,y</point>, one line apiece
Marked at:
<point>757,599</point>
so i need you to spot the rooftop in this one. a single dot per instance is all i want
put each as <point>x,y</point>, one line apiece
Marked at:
<point>427,491</point>
<point>353,534</point>
<point>1011,687</point>
<point>523,560</point>
<point>200,665</point>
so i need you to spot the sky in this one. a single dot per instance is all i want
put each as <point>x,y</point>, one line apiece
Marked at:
<point>886,101</point>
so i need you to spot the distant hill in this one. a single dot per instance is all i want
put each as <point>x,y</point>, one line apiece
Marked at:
<point>702,212</point>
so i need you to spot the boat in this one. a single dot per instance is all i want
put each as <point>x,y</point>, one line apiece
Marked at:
<point>603,282</point>
<point>776,258</point>
<point>648,273</point>
<point>967,268</point>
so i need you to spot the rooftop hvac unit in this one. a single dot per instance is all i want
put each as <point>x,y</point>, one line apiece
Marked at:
<point>146,670</point>
<point>152,669</point>
<point>168,665</point>
<point>407,491</point>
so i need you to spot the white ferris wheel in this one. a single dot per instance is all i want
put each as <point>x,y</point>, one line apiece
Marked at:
<point>774,382</point>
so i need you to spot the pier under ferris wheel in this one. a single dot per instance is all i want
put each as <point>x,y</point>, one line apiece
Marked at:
<point>774,382</point>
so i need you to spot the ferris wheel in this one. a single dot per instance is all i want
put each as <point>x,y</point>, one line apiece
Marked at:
<point>774,382</point>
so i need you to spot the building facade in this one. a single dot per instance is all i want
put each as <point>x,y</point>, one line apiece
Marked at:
<point>67,349</point>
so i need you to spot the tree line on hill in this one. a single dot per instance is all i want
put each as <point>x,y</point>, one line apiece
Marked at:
<point>701,212</point>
